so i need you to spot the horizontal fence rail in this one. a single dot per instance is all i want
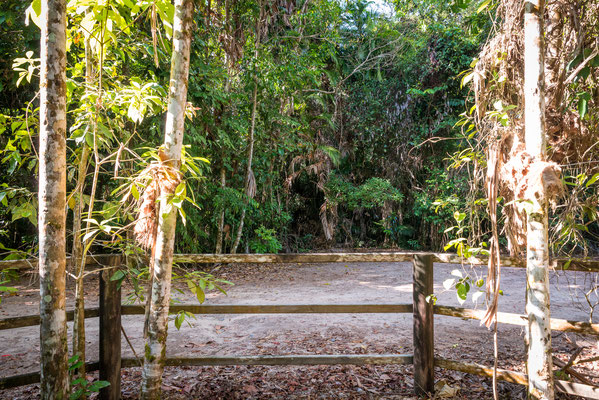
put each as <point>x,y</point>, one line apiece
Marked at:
<point>282,309</point>
<point>571,264</point>
<point>573,388</point>
<point>302,359</point>
<point>519,378</point>
<point>328,359</point>
<point>34,319</point>
<point>31,263</point>
<point>557,324</point>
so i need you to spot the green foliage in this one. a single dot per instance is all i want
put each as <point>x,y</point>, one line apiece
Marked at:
<point>583,92</point>
<point>372,193</point>
<point>6,276</point>
<point>199,282</point>
<point>346,96</point>
<point>181,317</point>
<point>575,227</point>
<point>265,241</point>
<point>443,195</point>
<point>462,283</point>
<point>137,274</point>
<point>81,387</point>
<point>19,161</point>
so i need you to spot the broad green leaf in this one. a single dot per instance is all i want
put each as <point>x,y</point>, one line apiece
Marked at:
<point>77,394</point>
<point>593,179</point>
<point>483,5</point>
<point>459,216</point>
<point>583,99</point>
<point>582,107</point>
<point>117,276</point>
<point>183,216</point>
<point>462,291</point>
<point>181,189</point>
<point>200,295</point>
<point>584,73</point>
<point>34,12</point>
<point>134,191</point>
<point>179,320</point>
<point>97,385</point>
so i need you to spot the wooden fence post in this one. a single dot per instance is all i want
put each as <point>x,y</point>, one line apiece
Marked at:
<point>110,332</point>
<point>424,342</point>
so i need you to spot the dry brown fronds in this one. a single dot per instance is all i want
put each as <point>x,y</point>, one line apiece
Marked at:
<point>494,268</point>
<point>329,219</point>
<point>544,182</point>
<point>146,223</point>
<point>159,181</point>
<point>317,163</point>
<point>252,187</point>
<point>498,76</point>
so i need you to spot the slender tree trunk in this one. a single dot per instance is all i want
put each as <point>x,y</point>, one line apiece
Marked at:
<point>250,155</point>
<point>52,202</point>
<point>155,347</point>
<point>79,324</point>
<point>554,43</point>
<point>77,254</point>
<point>539,365</point>
<point>223,172</point>
<point>248,172</point>
<point>221,218</point>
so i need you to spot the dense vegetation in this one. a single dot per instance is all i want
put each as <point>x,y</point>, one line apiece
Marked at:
<point>312,125</point>
<point>347,99</point>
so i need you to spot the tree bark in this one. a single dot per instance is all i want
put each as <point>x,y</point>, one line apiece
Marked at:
<point>155,347</point>
<point>539,365</point>
<point>54,377</point>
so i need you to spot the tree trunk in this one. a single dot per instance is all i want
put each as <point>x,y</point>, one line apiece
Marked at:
<point>248,173</point>
<point>54,377</point>
<point>221,218</point>
<point>539,365</point>
<point>77,253</point>
<point>554,78</point>
<point>155,347</point>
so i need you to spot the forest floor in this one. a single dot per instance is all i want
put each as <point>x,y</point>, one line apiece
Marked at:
<point>339,283</point>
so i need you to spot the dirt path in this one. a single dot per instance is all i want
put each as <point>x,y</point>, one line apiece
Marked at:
<point>304,334</point>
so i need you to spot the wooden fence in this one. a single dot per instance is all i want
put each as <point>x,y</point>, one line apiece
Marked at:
<point>422,359</point>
